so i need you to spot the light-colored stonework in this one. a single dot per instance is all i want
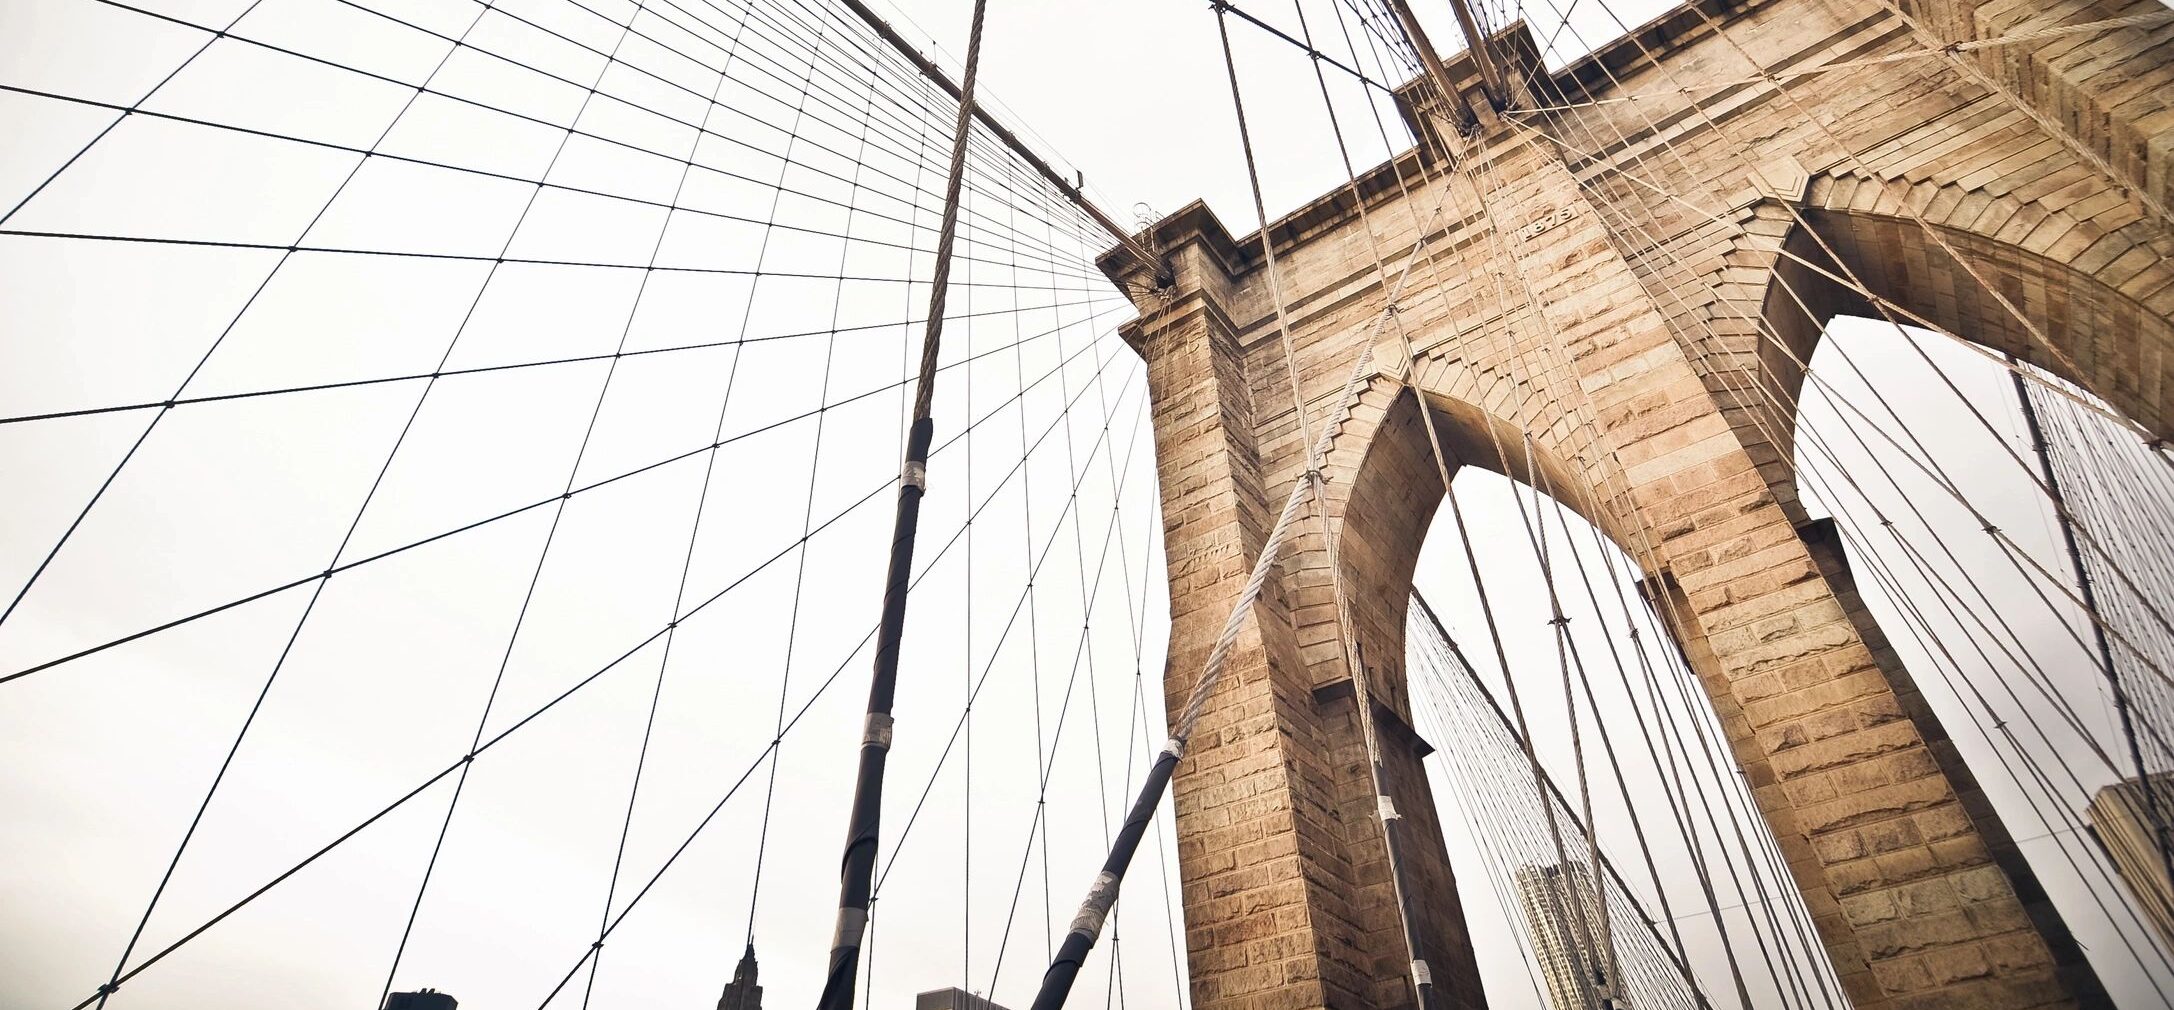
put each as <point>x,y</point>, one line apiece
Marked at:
<point>1647,234</point>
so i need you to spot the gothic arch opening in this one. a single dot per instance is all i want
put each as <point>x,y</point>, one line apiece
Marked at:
<point>1909,460</point>
<point>1392,517</point>
<point>1393,500</point>
<point>1949,553</point>
<point>2121,349</point>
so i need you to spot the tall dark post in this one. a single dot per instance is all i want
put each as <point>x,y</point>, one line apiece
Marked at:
<point>858,872</point>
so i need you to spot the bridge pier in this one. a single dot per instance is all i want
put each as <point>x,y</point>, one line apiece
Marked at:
<point>1911,881</point>
<point>1285,886</point>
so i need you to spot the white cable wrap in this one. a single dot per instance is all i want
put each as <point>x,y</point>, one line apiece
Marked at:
<point>878,732</point>
<point>1387,808</point>
<point>1174,747</point>
<point>851,922</point>
<point>1420,974</point>
<point>1262,565</point>
<point>1097,906</point>
<point>915,474</point>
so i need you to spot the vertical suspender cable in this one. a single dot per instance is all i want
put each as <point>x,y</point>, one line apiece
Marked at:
<point>859,863</point>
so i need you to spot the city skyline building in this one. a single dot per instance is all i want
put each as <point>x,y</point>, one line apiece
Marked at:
<point>2120,819</point>
<point>1562,915</point>
<point>423,999</point>
<point>743,993</point>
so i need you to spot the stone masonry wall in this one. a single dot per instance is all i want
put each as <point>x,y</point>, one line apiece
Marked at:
<point>1626,284</point>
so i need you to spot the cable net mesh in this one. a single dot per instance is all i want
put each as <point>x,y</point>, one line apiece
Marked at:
<point>452,445</point>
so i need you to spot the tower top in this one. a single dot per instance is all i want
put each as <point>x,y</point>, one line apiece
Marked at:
<point>742,993</point>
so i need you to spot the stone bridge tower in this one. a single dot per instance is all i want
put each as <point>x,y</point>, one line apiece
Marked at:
<point>1666,263</point>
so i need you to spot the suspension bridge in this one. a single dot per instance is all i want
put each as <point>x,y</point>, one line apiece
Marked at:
<point>694,502</point>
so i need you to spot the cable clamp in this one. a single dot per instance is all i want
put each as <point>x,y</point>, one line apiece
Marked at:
<point>851,922</point>
<point>915,475</point>
<point>878,732</point>
<point>1559,621</point>
<point>1387,808</point>
<point>1420,974</point>
<point>1096,908</point>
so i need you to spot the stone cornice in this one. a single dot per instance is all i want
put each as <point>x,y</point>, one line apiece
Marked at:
<point>1239,255</point>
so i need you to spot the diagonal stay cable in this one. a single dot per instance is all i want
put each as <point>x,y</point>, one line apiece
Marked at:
<point>561,697</point>
<point>785,679</point>
<point>262,285</point>
<point>510,513</point>
<point>898,848</point>
<point>866,52</point>
<point>855,876</point>
<point>694,533</point>
<point>484,173</point>
<point>461,43</point>
<point>131,109</point>
<point>823,97</point>
<point>705,345</point>
<point>279,665</point>
<point>1046,754</point>
<point>551,535</point>
<point>1887,312</point>
<point>206,243</point>
<point>769,750</point>
<point>1102,894</point>
<point>869,47</point>
<point>1506,728</point>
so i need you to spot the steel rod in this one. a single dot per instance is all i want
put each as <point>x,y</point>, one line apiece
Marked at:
<point>856,875</point>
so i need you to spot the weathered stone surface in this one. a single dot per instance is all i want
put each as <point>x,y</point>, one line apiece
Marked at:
<point>1615,304</point>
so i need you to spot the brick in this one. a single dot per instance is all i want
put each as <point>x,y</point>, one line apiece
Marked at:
<point>1633,375</point>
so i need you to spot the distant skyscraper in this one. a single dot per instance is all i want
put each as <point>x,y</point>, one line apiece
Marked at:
<point>742,993</point>
<point>428,999</point>
<point>1563,912</point>
<point>952,999</point>
<point>2121,819</point>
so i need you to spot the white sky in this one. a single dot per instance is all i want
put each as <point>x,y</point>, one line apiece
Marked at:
<point>108,756</point>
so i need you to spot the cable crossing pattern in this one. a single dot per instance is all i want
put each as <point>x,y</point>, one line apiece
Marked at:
<point>444,549</point>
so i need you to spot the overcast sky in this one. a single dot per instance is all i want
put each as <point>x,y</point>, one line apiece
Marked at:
<point>380,682</point>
